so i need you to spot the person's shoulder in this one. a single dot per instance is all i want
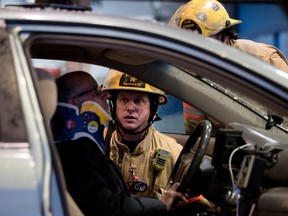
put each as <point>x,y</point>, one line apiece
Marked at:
<point>254,47</point>
<point>246,42</point>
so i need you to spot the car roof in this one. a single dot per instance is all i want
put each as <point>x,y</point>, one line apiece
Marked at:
<point>18,15</point>
<point>228,62</point>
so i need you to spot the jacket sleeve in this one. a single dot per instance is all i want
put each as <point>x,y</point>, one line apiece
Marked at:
<point>97,186</point>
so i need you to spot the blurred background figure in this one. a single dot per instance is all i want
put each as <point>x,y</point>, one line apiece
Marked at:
<point>211,19</point>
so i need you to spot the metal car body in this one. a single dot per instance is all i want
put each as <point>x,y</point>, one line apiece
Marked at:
<point>197,70</point>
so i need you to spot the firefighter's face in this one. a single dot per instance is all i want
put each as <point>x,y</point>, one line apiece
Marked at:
<point>133,110</point>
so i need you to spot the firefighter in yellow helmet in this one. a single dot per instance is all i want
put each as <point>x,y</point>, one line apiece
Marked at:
<point>135,146</point>
<point>210,18</point>
<point>207,17</point>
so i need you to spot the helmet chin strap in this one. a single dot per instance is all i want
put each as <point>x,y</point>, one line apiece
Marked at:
<point>155,118</point>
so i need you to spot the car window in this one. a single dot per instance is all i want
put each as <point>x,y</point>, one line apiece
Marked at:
<point>189,89</point>
<point>171,114</point>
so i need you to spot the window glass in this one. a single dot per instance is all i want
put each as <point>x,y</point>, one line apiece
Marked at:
<point>171,115</point>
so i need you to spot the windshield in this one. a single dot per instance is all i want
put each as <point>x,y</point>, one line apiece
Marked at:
<point>273,119</point>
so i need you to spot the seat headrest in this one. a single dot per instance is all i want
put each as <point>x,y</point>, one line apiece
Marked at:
<point>48,92</point>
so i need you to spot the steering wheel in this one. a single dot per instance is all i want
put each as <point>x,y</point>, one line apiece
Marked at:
<point>188,162</point>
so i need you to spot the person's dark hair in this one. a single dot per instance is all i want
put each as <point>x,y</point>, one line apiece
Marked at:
<point>231,33</point>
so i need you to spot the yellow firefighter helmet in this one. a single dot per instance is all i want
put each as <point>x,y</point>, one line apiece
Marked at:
<point>207,17</point>
<point>116,80</point>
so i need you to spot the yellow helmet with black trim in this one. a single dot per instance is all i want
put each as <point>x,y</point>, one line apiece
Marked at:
<point>207,17</point>
<point>116,80</point>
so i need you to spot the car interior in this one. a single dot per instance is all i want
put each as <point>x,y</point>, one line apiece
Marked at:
<point>183,81</point>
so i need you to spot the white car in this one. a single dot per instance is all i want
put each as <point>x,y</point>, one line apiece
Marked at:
<point>248,97</point>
